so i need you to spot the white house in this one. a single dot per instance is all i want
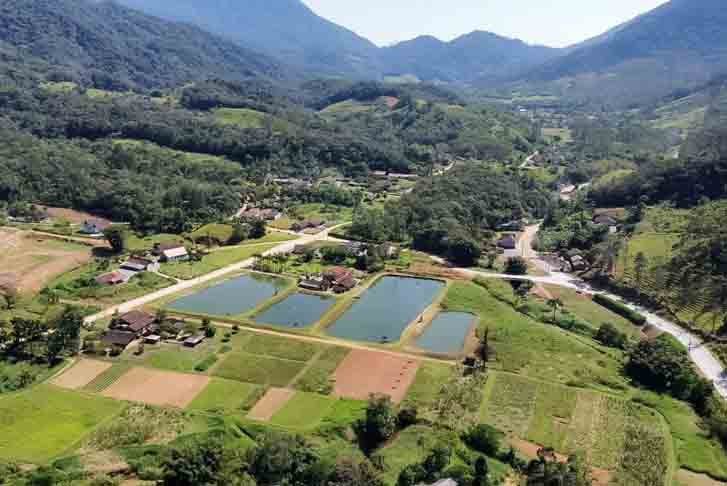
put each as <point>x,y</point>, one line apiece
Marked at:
<point>178,254</point>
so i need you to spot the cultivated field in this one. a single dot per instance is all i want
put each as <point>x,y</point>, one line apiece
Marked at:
<point>31,261</point>
<point>617,435</point>
<point>365,372</point>
<point>273,400</point>
<point>45,422</point>
<point>155,387</point>
<point>81,374</point>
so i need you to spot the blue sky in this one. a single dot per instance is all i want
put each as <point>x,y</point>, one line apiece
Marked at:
<point>555,23</point>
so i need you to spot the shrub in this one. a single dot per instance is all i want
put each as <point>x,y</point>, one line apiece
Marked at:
<point>620,309</point>
<point>609,336</point>
<point>484,438</point>
<point>206,363</point>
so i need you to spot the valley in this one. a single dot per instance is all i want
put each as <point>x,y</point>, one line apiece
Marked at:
<point>243,245</point>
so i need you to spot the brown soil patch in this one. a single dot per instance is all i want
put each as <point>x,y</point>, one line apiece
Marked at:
<point>31,261</point>
<point>689,478</point>
<point>270,403</point>
<point>437,271</point>
<point>71,215</point>
<point>363,373</point>
<point>540,291</point>
<point>601,477</point>
<point>156,387</point>
<point>81,374</point>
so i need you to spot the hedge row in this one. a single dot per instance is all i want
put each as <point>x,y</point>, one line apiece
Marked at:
<point>620,309</point>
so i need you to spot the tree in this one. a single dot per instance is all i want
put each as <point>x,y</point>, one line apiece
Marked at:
<point>640,266</point>
<point>555,304</point>
<point>65,334</point>
<point>516,266</point>
<point>609,336</point>
<point>349,472</point>
<point>257,229</point>
<point>281,458</point>
<point>522,288</point>
<point>484,438</point>
<point>482,472</point>
<point>464,251</point>
<point>194,462</point>
<point>240,233</point>
<point>380,422</point>
<point>437,460</point>
<point>118,237</point>
<point>411,475</point>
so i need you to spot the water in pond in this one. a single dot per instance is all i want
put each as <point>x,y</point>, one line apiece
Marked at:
<point>298,310</point>
<point>384,311</point>
<point>233,297</point>
<point>446,333</point>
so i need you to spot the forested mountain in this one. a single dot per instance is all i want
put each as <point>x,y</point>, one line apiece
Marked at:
<point>112,47</point>
<point>287,29</point>
<point>479,56</point>
<point>679,45</point>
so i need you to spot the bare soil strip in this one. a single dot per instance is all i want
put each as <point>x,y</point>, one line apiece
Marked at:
<point>155,387</point>
<point>270,403</point>
<point>81,374</point>
<point>362,373</point>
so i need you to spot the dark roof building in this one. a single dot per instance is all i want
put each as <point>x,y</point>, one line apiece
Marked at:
<point>118,338</point>
<point>605,220</point>
<point>135,321</point>
<point>508,242</point>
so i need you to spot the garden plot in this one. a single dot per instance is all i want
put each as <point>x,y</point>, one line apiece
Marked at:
<point>81,374</point>
<point>156,387</point>
<point>274,400</point>
<point>303,410</point>
<point>362,373</point>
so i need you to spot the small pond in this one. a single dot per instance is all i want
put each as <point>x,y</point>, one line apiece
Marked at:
<point>383,311</point>
<point>447,333</point>
<point>296,311</point>
<point>232,297</point>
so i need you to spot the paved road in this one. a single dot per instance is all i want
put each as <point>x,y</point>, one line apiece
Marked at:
<point>284,247</point>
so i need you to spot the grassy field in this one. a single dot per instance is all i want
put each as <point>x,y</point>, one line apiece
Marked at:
<point>304,410</point>
<point>79,284</point>
<point>45,422</point>
<point>280,347</point>
<point>176,358</point>
<point>317,378</point>
<point>213,261</point>
<point>138,243</point>
<point>531,348</point>
<point>427,383</point>
<point>564,134</point>
<point>225,396</point>
<point>257,369</point>
<point>246,119</point>
<point>571,420</point>
<point>329,213</point>
<point>590,312</point>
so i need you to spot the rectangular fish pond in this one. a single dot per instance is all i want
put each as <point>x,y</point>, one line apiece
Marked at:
<point>231,298</point>
<point>296,311</point>
<point>386,309</point>
<point>447,333</point>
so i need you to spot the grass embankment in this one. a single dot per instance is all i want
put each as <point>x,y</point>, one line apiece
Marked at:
<point>331,214</point>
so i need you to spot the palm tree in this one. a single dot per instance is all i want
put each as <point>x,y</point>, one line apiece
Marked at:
<point>555,304</point>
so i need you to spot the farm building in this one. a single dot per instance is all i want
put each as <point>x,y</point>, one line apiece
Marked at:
<point>339,279</point>
<point>137,264</point>
<point>308,224</point>
<point>94,227</point>
<point>605,220</point>
<point>178,254</point>
<point>113,278</point>
<point>316,284</point>
<point>443,482</point>
<point>264,214</point>
<point>117,339</point>
<point>137,322</point>
<point>160,248</point>
<point>194,341</point>
<point>507,242</point>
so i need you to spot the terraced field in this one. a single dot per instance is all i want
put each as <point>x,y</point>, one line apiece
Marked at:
<point>107,378</point>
